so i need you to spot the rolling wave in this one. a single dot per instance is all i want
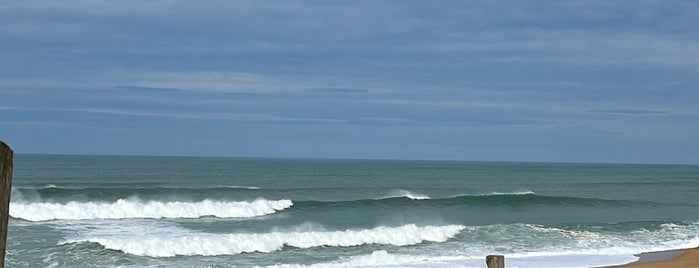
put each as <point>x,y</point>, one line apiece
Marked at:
<point>378,258</point>
<point>515,199</point>
<point>206,244</point>
<point>522,192</point>
<point>107,203</point>
<point>134,208</point>
<point>396,197</point>
<point>407,194</point>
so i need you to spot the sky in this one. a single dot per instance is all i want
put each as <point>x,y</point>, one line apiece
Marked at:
<point>562,81</point>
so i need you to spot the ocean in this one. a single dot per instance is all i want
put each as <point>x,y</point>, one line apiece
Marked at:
<point>143,211</point>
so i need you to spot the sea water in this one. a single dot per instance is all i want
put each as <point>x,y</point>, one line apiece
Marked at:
<point>138,211</point>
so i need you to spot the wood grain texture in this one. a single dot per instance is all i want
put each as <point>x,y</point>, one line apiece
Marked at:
<point>495,261</point>
<point>6,156</point>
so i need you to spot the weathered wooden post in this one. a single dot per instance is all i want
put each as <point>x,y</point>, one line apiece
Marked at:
<point>5,189</point>
<point>495,261</point>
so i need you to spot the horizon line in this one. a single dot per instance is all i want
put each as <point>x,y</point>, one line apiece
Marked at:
<point>358,159</point>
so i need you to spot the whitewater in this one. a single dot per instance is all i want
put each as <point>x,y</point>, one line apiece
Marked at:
<point>134,208</point>
<point>170,245</point>
<point>123,211</point>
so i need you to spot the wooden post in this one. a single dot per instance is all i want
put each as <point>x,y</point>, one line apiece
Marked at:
<point>495,261</point>
<point>5,189</point>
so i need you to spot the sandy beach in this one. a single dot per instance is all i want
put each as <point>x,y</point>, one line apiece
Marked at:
<point>688,258</point>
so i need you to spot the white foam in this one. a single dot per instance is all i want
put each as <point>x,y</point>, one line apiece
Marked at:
<point>134,208</point>
<point>208,244</point>
<point>520,192</point>
<point>241,187</point>
<point>408,194</point>
<point>578,248</point>
<point>382,258</point>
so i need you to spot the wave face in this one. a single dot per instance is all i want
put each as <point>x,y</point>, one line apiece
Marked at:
<point>134,208</point>
<point>229,244</point>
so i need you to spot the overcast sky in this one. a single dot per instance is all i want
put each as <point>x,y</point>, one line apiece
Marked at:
<point>583,81</point>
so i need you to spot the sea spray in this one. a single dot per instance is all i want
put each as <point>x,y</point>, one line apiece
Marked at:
<point>135,208</point>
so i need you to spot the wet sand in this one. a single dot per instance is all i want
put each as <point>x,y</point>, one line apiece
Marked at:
<point>682,258</point>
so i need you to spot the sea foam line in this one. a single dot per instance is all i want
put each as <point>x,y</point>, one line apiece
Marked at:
<point>406,193</point>
<point>378,258</point>
<point>207,244</point>
<point>383,259</point>
<point>520,192</point>
<point>134,208</point>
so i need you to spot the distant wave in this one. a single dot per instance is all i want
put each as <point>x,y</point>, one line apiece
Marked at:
<point>229,244</point>
<point>240,187</point>
<point>522,192</point>
<point>514,199</point>
<point>134,208</point>
<point>406,193</point>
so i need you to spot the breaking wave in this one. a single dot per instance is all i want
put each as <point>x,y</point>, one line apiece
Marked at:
<point>207,244</point>
<point>406,194</point>
<point>522,192</point>
<point>134,208</point>
<point>533,245</point>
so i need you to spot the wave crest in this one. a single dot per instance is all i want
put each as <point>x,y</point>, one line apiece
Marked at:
<point>134,208</point>
<point>520,192</point>
<point>407,194</point>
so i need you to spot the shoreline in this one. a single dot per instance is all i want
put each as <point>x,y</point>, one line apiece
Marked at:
<point>677,258</point>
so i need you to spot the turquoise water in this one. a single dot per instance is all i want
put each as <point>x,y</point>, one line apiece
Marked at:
<point>127,211</point>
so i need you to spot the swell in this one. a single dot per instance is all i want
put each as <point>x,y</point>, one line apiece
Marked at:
<point>76,206</point>
<point>396,197</point>
<point>638,183</point>
<point>494,199</point>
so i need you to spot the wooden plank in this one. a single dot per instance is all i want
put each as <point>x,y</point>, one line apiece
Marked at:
<point>495,261</point>
<point>6,155</point>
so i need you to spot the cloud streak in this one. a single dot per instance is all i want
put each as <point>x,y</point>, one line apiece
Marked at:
<point>631,112</point>
<point>241,117</point>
